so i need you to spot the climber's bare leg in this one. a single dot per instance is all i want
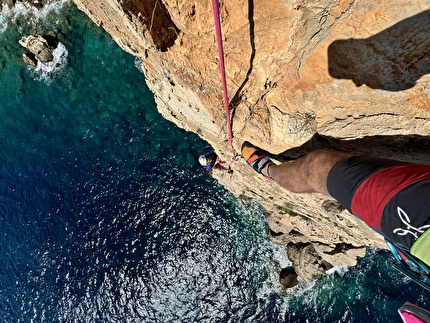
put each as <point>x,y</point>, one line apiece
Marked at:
<point>307,174</point>
<point>304,175</point>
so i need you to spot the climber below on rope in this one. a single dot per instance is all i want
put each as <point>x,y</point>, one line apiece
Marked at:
<point>211,161</point>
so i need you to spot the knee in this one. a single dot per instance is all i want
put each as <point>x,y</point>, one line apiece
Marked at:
<point>317,158</point>
<point>324,160</point>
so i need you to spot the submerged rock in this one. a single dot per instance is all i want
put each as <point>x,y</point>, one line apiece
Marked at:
<point>41,47</point>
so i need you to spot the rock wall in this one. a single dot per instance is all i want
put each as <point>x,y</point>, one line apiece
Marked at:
<point>348,74</point>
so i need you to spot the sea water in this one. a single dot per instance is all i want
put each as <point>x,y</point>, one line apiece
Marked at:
<point>106,216</point>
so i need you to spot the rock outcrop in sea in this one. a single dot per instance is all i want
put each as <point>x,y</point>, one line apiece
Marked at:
<point>301,75</point>
<point>41,48</point>
<point>46,55</point>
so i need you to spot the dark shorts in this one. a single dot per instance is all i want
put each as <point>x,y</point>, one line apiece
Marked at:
<point>390,196</point>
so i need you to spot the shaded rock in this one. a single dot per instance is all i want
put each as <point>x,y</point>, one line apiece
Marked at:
<point>154,15</point>
<point>29,59</point>
<point>386,60</point>
<point>41,47</point>
<point>288,278</point>
<point>38,4</point>
<point>10,3</point>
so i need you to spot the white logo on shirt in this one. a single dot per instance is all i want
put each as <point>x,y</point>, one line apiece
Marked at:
<point>409,228</point>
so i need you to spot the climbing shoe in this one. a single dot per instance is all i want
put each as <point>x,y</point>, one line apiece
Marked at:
<point>256,158</point>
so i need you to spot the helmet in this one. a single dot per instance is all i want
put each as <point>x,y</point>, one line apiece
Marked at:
<point>202,160</point>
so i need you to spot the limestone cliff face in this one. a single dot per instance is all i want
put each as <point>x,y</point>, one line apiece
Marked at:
<point>354,72</point>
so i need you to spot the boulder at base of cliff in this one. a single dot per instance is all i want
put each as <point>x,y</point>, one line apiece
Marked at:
<point>306,261</point>
<point>288,279</point>
<point>41,47</point>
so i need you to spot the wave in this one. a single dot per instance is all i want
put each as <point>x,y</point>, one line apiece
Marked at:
<point>138,63</point>
<point>30,14</point>
<point>339,270</point>
<point>49,71</point>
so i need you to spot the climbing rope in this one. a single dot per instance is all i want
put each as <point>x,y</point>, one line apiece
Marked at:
<point>215,10</point>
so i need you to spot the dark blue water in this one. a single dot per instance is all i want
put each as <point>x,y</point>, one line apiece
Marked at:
<point>107,217</point>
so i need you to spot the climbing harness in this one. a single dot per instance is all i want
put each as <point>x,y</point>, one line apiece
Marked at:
<point>410,266</point>
<point>215,9</point>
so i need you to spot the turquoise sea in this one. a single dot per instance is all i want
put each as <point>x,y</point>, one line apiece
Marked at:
<point>106,216</point>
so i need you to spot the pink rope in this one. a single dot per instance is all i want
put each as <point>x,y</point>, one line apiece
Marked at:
<point>222,69</point>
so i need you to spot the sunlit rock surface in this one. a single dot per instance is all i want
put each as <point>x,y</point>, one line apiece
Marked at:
<point>341,74</point>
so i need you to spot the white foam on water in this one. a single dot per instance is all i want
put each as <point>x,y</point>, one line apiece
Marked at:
<point>302,288</point>
<point>31,15</point>
<point>48,71</point>
<point>340,270</point>
<point>280,255</point>
<point>278,261</point>
<point>4,17</point>
<point>138,63</point>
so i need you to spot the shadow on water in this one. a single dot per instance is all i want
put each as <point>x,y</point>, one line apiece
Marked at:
<point>392,60</point>
<point>410,148</point>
